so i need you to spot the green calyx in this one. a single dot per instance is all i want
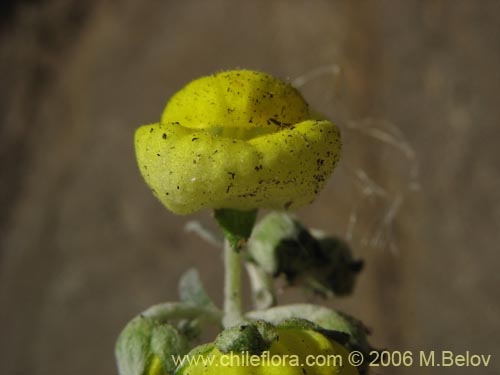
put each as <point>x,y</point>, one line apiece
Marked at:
<point>255,338</point>
<point>236,225</point>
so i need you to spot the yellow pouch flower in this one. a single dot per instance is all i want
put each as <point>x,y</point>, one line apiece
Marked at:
<point>295,351</point>
<point>240,140</point>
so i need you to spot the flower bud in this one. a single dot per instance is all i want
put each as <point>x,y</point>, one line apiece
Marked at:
<point>345,329</point>
<point>281,245</point>
<point>146,347</point>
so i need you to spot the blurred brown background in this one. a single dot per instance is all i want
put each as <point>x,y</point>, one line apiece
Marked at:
<point>84,246</point>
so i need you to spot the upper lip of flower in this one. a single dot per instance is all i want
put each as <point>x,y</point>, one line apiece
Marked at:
<point>242,99</point>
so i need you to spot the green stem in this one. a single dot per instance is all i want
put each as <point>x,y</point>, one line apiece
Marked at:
<point>262,287</point>
<point>232,286</point>
<point>237,227</point>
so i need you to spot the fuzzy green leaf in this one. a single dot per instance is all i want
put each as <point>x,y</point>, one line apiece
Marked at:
<point>191,290</point>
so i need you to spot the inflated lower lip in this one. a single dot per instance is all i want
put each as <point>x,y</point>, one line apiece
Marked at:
<point>190,170</point>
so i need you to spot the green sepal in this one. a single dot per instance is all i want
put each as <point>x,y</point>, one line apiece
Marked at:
<point>267,330</point>
<point>253,338</point>
<point>236,225</point>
